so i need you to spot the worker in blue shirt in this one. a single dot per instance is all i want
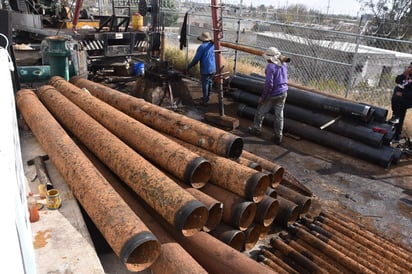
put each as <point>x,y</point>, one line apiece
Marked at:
<point>205,54</point>
<point>274,93</point>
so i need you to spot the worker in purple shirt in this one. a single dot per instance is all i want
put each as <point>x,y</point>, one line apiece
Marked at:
<point>205,54</point>
<point>274,93</point>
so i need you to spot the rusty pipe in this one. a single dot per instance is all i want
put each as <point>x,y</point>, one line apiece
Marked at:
<point>327,249</point>
<point>348,243</point>
<point>303,261</point>
<point>311,256</point>
<point>282,266</point>
<point>241,48</point>
<point>302,201</point>
<point>228,174</point>
<point>173,256</point>
<point>214,207</point>
<point>288,211</point>
<point>393,256</point>
<point>266,211</point>
<point>273,265</point>
<point>236,211</point>
<point>252,234</point>
<point>127,235</point>
<point>160,150</point>
<point>182,127</point>
<point>175,204</point>
<point>271,192</point>
<point>372,238</point>
<point>274,169</point>
<point>246,162</point>
<point>229,235</point>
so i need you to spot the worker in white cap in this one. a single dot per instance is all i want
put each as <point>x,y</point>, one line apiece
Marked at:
<point>274,93</point>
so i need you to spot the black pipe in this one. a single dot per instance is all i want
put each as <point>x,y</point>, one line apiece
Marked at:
<point>383,156</point>
<point>308,99</point>
<point>344,126</point>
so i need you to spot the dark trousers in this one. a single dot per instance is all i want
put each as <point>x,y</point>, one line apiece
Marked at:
<point>400,104</point>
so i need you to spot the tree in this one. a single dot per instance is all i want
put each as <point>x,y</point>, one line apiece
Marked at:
<point>390,19</point>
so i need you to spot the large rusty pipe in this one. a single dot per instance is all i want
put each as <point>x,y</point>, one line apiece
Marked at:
<point>390,254</point>
<point>251,237</point>
<point>374,238</point>
<point>215,256</point>
<point>249,163</point>
<point>337,255</point>
<point>266,211</point>
<point>236,211</point>
<point>228,174</point>
<point>175,204</point>
<point>154,146</point>
<point>229,235</point>
<point>303,261</point>
<point>173,256</point>
<point>182,127</point>
<point>302,201</point>
<point>271,192</point>
<point>275,170</point>
<point>214,207</point>
<point>282,266</point>
<point>127,235</point>
<point>369,255</point>
<point>288,211</point>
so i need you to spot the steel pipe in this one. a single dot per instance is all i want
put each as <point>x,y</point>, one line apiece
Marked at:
<point>234,177</point>
<point>237,212</point>
<point>266,211</point>
<point>271,192</point>
<point>173,256</point>
<point>275,170</point>
<point>214,207</point>
<point>281,266</point>
<point>288,211</point>
<point>337,255</point>
<point>172,202</point>
<point>309,99</point>
<point>383,156</point>
<point>249,163</point>
<point>127,235</point>
<point>182,127</point>
<point>229,235</point>
<point>154,146</point>
<point>251,237</point>
<point>302,201</point>
<point>303,261</point>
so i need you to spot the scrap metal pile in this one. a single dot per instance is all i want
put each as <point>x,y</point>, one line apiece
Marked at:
<point>167,191</point>
<point>353,128</point>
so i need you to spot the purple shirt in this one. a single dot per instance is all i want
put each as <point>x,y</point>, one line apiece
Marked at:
<point>276,80</point>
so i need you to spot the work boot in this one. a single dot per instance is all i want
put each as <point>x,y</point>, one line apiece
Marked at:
<point>277,140</point>
<point>254,131</point>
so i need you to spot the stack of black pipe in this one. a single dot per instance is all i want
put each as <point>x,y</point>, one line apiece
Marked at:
<point>354,128</point>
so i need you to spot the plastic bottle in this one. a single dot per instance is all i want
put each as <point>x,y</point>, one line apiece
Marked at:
<point>33,209</point>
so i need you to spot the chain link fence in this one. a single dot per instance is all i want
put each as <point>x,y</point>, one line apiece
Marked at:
<point>345,64</point>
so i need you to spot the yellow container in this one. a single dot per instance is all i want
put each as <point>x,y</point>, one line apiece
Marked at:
<point>53,200</point>
<point>137,22</point>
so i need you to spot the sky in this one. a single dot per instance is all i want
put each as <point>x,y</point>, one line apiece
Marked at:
<point>350,7</point>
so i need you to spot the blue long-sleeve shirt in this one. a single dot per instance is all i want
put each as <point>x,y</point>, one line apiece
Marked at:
<point>276,80</point>
<point>205,54</point>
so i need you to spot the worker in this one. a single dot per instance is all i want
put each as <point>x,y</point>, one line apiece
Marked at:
<point>274,93</point>
<point>205,54</point>
<point>401,100</point>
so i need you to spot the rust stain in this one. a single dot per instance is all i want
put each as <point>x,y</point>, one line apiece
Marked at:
<point>40,240</point>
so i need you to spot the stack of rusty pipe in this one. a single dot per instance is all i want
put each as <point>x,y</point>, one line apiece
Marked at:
<point>191,176</point>
<point>334,243</point>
